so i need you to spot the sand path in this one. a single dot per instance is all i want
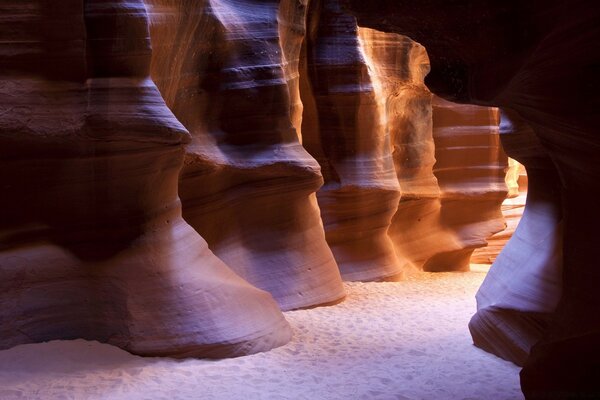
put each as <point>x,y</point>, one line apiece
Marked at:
<point>402,340</point>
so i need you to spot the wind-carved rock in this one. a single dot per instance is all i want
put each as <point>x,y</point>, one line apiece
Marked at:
<point>512,211</point>
<point>540,61</point>
<point>441,221</point>
<point>92,243</point>
<point>344,128</point>
<point>470,170</point>
<point>228,71</point>
<point>520,293</point>
<point>447,159</point>
<point>368,121</point>
<point>398,67</point>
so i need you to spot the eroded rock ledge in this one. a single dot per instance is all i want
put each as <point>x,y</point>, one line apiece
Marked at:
<point>93,244</point>
<point>297,147</point>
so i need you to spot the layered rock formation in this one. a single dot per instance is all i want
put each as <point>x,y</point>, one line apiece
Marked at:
<point>368,121</point>
<point>344,128</point>
<point>398,66</point>
<point>439,227</point>
<point>104,101</point>
<point>92,243</point>
<point>512,211</point>
<point>470,170</point>
<point>523,287</point>
<point>228,71</point>
<point>540,61</point>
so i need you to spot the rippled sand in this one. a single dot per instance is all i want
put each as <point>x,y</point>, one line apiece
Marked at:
<point>400,340</point>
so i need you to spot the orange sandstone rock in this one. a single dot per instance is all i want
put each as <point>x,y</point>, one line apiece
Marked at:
<point>227,70</point>
<point>92,243</point>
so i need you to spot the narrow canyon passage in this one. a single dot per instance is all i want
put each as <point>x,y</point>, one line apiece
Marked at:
<point>247,199</point>
<point>388,340</point>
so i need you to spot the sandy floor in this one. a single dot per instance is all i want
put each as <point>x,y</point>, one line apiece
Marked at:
<point>404,340</point>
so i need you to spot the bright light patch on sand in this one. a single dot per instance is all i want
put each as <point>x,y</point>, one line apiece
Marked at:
<point>401,340</point>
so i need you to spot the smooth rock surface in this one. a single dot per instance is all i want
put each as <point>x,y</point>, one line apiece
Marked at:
<point>228,71</point>
<point>470,171</point>
<point>390,340</point>
<point>517,298</point>
<point>539,60</point>
<point>344,128</point>
<point>512,211</point>
<point>441,221</point>
<point>398,66</point>
<point>92,243</point>
<point>368,121</point>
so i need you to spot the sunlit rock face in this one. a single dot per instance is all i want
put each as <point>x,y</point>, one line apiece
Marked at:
<point>344,127</point>
<point>470,171</point>
<point>92,243</point>
<point>228,71</point>
<point>98,119</point>
<point>441,221</point>
<point>539,60</point>
<point>398,66</point>
<point>512,211</point>
<point>368,122</point>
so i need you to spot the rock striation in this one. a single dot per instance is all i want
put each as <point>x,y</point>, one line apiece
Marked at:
<point>398,66</point>
<point>470,171</point>
<point>441,221</point>
<point>296,140</point>
<point>229,72</point>
<point>512,211</point>
<point>518,296</point>
<point>368,122</point>
<point>344,128</point>
<point>538,61</point>
<point>92,243</point>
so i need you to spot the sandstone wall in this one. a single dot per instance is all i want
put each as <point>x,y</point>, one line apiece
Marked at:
<point>92,243</point>
<point>540,62</point>
<point>345,128</point>
<point>523,287</point>
<point>296,141</point>
<point>512,210</point>
<point>228,70</point>
<point>371,124</point>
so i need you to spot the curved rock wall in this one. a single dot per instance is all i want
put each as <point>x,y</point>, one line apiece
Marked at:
<point>519,293</point>
<point>470,170</point>
<point>368,122</point>
<point>398,66</point>
<point>247,185</point>
<point>111,109</point>
<point>540,61</point>
<point>441,221</point>
<point>92,240</point>
<point>512,211</point>
<point>344,128</point>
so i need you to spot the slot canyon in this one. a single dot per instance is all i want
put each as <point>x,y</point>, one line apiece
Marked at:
<point>299,199</point>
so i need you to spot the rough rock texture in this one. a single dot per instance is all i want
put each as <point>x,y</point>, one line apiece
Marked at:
<point>228,71</point>
<point>92,243</point>
<point>540,60</point>
<point>344,128</point>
